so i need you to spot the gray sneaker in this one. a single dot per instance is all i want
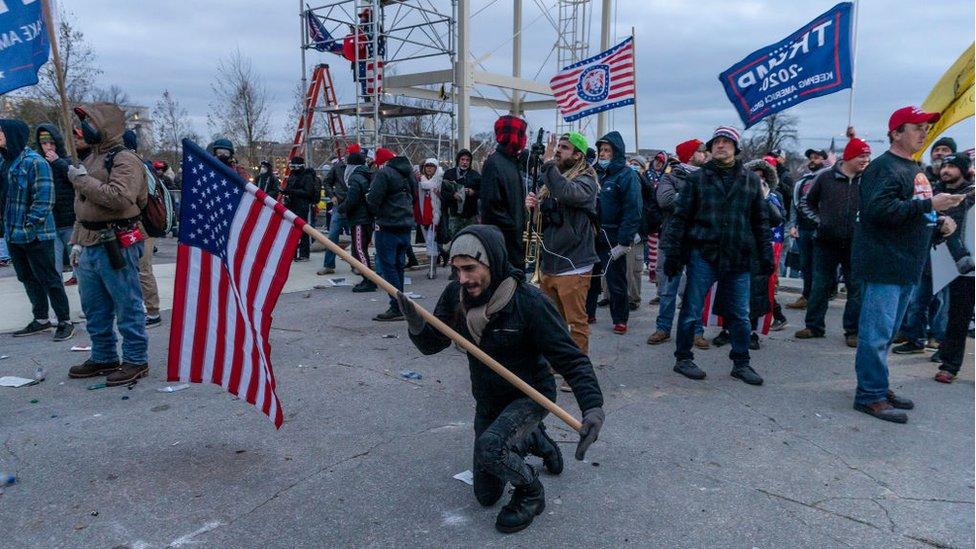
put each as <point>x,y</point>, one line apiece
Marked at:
<point>689,369</point>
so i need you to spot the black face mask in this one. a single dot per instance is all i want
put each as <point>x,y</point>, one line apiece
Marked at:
<point>91,135</point>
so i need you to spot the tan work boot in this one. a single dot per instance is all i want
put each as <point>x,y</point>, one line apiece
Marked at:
<point>658,337</point>
<point>807,333</point>
<point>702,343</point>
<point>851,341</point>
<point>800,303</point>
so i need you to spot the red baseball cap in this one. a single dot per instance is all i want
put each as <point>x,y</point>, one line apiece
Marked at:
<point>911,115</point>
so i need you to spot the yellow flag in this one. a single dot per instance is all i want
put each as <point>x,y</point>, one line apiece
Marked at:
<point>952,96</point>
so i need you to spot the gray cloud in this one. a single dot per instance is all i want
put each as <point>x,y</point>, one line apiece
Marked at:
<point>903,48</point>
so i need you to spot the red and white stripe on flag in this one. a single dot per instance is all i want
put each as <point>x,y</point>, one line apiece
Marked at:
<point>598,83</point>
<point>222,306</point>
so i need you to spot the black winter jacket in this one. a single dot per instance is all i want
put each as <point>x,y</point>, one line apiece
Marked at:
<point>527,330</point>
<point>353,208</point>
<point>502,201</point>
<point>956,242</point>
<point>302,191</point>
<point>730,228</point>
<point>471,179</point>
<point>64,191</point>
<point>832,203</point>
<point>335,182</point>
<point>390,196</point>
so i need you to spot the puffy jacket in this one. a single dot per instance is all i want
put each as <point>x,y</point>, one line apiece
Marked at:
<point>335,182</point>
<point>64,191</point>
<point>302,190</point>
<point>101,196</point>
<point>390,196</point>
<point>353,208</point>
<point>956,242</point>
<point>832,203</point>
<point>620,195</point>
<point>669,188</point>
<point>502,202</point>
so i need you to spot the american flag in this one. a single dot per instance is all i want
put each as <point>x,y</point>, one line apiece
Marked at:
<point>235,250</point>
<point>599,83</point>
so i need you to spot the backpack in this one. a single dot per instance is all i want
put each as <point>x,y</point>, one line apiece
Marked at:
<point>157,214</point>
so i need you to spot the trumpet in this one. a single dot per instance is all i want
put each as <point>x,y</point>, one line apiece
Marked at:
<point>532,236</point>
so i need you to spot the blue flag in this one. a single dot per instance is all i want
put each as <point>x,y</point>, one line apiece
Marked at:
<point>319,38</point>
<point>24,45</point>
<point>813,61</point>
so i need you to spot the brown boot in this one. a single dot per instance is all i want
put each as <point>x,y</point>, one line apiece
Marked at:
<point>800,303</point>
<point>92,369</point>
<point>702,343</point>
<point>807,333</point>
<point>658,337</point>
<point>126,373</point>
<point>851,341</point>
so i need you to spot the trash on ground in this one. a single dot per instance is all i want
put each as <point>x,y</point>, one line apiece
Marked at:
<point>173,388</point>
<point>34,401</point>
<point>390,336</point>
<point>126,397</point>
<point>39,374</point>
<point>97,386</point>
<point>79,348</point>
<point>160,408</point>
<point>413,295</point>
<point>466,477</point>
<point>7,479</point>
<point>410,374</point>
<point>15,381</point>
<point>4,356</point>
<point>407,281</point>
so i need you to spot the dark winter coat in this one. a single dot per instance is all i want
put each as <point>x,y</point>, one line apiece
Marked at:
<point>799,219</point>
<point>390,196</point>
<point>567,226</point>
<point>353,208</point>
<point>729,227</point>
<point>785,186</point>
<point>526,331</point>
<point>669,188</point>
<point>64,191</point>
<point>469,179</point>
<point>832,203</point>
<point>267,181</point>
<point>620,195</point>
<point>895,222</point>
<point>956,242</point>
<point>502,201</point>
<point>302,190</point>
<point>335,182</point>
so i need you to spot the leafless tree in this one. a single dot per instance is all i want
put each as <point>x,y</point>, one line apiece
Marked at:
<point>239,110</point>
<point>776,131</point>
<point>172,126</point>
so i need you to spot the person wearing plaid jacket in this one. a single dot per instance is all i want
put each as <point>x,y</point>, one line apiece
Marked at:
<point>721,231</point>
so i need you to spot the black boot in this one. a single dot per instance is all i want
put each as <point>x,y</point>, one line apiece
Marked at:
<point>527,502</point>
<point>543,446</point>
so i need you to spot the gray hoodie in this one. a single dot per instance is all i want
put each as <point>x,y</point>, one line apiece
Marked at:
<point>567,231</point>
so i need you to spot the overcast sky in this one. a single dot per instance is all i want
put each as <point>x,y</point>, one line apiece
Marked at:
<point>904,46</point>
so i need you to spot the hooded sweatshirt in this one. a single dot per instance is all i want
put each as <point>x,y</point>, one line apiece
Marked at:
<point>430,190</point>
<point>470,178</point>
<point>620,195</point>
<point>101,196</point>
<point>29,193</point>
<point>519,336</point>
<point>64,191</point>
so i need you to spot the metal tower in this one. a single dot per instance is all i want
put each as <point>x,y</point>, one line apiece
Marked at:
<point>573,25</point>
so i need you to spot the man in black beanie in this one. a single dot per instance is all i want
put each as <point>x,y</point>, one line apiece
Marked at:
<point>943,147</point>
<point>491,305</point>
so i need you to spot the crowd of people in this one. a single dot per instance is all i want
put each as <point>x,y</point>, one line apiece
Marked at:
<point>711,229</point>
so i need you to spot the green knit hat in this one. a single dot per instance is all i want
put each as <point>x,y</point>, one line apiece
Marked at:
<point>578,141</point>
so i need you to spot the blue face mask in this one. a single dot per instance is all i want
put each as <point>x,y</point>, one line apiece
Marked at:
<point>635,168</point>
<point>603,163</point>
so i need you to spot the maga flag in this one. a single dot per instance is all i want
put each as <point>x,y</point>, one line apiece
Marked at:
<point>952,96</point>
<point>24,45</point>
<point>596,84</point>
<point>318,37</point>
<point>813,61</point>
<point>235,250</point>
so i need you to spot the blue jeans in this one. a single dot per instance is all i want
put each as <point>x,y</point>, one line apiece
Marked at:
<point>61,247</point>
<point>4,253</point>
<point>337,225</point>
<point>112,298</point>
<point>734,288</point>
<point>882,309</point>
<point>391,257</point>
<point>668,293</point>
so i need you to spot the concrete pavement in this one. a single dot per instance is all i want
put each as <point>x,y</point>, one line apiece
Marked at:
<point>365,457</point>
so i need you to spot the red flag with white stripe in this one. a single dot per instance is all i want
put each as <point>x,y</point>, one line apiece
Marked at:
<point>235,251</point>
<point>596,84</point>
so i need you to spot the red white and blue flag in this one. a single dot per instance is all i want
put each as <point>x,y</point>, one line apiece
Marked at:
<point>235,251</point>
<point>318,37</point>
<point>596,84</point>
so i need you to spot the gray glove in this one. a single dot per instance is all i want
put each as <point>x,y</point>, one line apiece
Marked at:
<point>618,251</point>
<point>965,265</point>
<point>415,322</point>
<point>75,172</point>
<point>75,255</point>
<point>592,423</point>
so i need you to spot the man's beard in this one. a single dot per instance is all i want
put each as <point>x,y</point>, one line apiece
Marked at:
<point>814,166</point>
<point>472,302</point>
<point>565,165</point>
<point>952,183</point>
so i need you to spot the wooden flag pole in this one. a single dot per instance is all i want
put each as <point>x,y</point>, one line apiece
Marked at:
<point>443,328</point>
<point>52,36</point>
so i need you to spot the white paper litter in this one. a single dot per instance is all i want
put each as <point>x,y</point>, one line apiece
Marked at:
<point>79,348</point>
<point>413,295</point>
<point>466,477</point>
<point>14,381</point>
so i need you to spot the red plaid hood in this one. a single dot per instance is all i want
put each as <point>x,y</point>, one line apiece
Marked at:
<point>510,134</point>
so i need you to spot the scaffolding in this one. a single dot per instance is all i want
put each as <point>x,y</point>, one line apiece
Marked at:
<point>573,24</point>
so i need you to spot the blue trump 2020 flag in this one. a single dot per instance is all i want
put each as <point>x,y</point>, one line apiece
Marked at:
<point>813,61</point>
<point>24,45</point>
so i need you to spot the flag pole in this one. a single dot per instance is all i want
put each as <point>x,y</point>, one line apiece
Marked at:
<point>52,36</point>
<point>850,103</point>
<point>633,44</point>
<point>443,328</point>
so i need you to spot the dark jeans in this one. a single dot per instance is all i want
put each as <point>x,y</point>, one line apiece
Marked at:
<point>953,348</point>
<point>926,315</point>
<point>734,288</point>
<point>616,275</point>
<point>502,439</point>
<point>337,224</point>
<point>391,250</point>
<point>34,265</point>
<point>827,256</point>
<point>804,244</point>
